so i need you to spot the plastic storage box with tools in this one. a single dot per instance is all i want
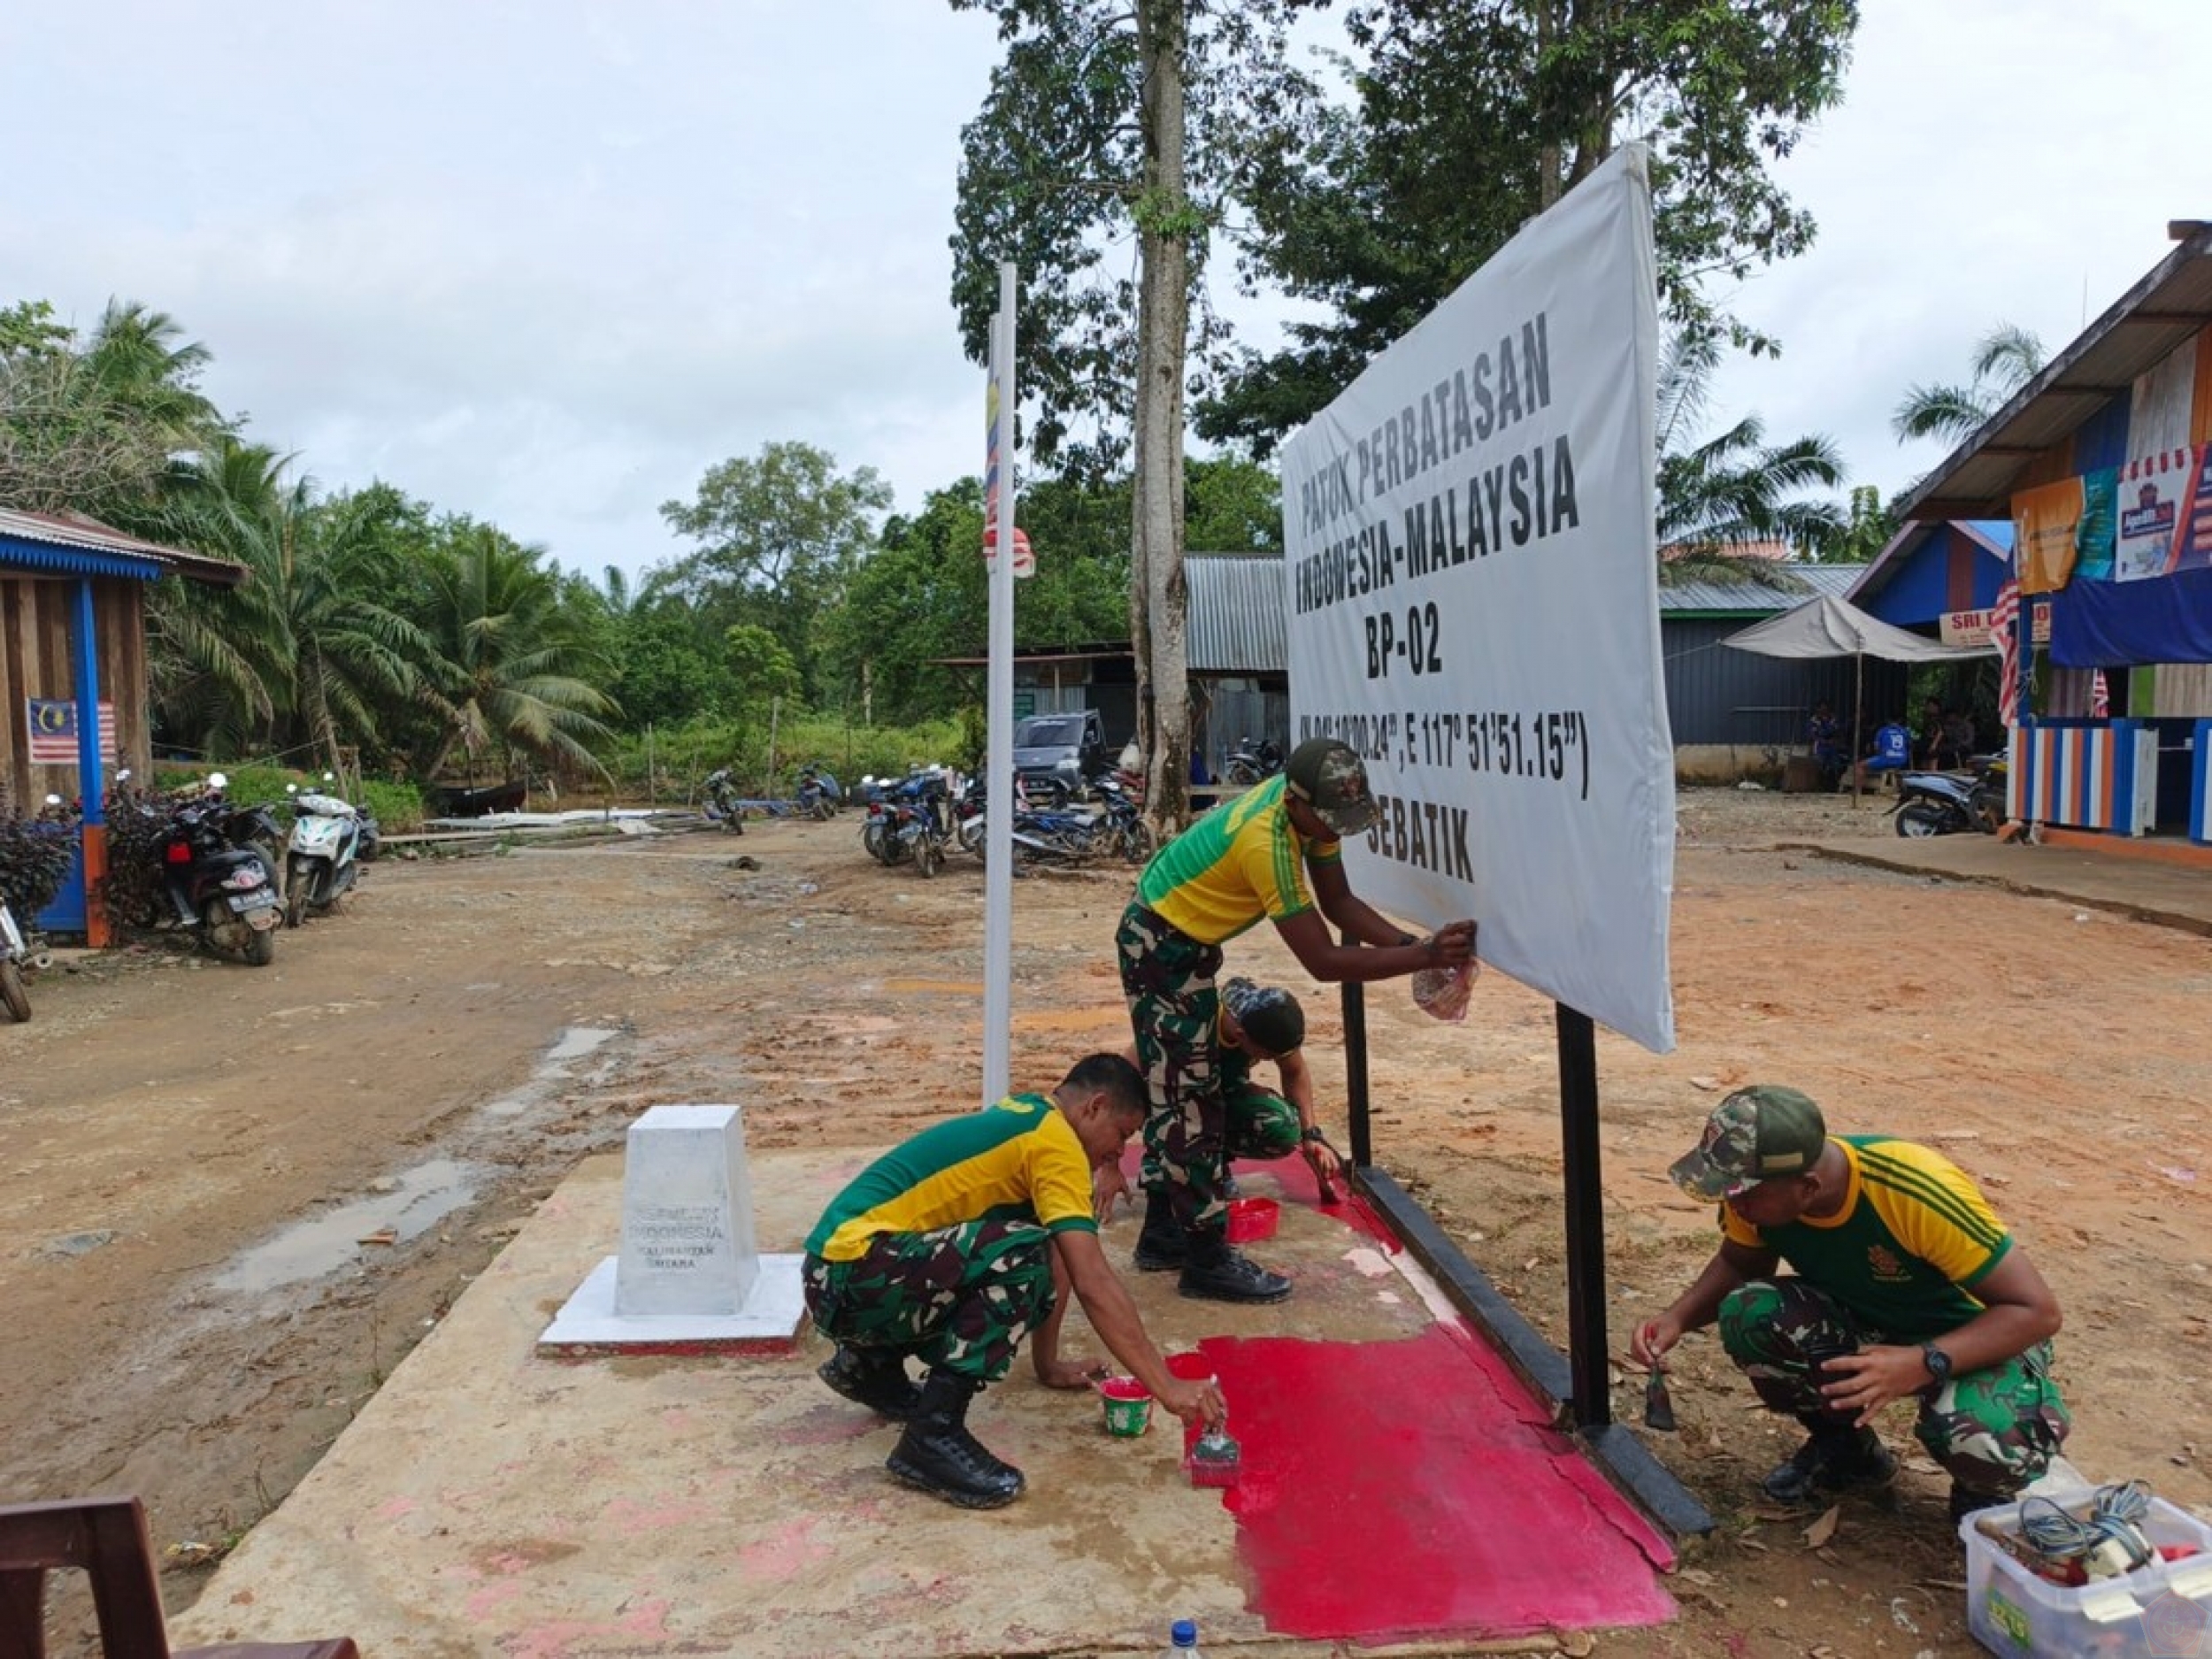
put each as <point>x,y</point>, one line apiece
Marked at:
<point>2158,1611</point>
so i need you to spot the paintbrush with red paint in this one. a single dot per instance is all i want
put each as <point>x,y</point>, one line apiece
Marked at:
<point>1214,1457</point>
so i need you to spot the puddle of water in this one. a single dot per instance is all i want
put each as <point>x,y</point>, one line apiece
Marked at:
<point>576,1043</point>
<point>329,1241</point>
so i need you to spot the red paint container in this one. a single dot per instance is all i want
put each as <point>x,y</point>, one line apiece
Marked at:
<point>1128,1406</point>
<point>1252,1220</point>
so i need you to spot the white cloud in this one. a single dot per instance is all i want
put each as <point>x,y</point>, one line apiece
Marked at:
<point>547,263</point>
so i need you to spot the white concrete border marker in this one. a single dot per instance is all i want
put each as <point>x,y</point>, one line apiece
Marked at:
<point>689,1277</point>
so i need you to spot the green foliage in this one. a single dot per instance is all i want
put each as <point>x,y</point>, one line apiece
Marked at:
<point>90,425</point>
<point>780,537</point>
<point>681,757</point>
<point>1863,533</point>
<point>1467,120</point>
<point>397,807</point>
<point>1721,498</point>
<point>1062,164</point>
<point>2005,359</point>
<point>35,859</point>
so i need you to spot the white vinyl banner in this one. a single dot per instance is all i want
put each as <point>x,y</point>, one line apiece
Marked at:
<point>1473,596</point>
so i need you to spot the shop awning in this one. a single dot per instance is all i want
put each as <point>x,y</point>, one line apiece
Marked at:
<point>1828,626</point>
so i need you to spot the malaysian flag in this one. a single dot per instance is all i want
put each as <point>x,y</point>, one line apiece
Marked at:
<point>53,731</point>
<point>2002,618</point>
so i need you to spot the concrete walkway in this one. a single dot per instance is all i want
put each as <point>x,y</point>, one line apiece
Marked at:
<point>491,1500</point>
<point>2164,882</point>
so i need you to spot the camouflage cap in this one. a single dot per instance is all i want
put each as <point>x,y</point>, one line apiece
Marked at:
<point>1756,1133</point>
<point>1331,779</point>
<point>1270,1016</point>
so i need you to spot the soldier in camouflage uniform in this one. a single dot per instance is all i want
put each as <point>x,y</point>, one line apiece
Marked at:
<point>1904,1283</point>
<point>956,1247</point>
<point>1246,861</point>
<point>1256,1023</point>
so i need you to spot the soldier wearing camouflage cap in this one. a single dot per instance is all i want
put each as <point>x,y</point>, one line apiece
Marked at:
<point>1903,1282</point>
<point>1256,1023</point>
<point>1273,853</point>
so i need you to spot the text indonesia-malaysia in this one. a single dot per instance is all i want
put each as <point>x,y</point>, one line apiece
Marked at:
<point>1509,503</point>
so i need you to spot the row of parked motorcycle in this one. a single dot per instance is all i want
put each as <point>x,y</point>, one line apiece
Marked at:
<point>919,818</point>
<point>228,874</point>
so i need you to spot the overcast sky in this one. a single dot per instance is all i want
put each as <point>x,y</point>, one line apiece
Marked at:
<point>547,263</point>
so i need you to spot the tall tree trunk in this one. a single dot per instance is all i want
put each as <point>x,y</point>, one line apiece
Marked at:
<point>1157,617</point>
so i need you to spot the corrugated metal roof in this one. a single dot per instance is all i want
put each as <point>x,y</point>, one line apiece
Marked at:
<point>2159,313</point>
<point>1756,599</point>
<point>89,535</point>
<point>1234,604</point>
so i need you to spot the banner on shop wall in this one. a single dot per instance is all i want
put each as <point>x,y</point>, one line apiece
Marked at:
<point>2165,514</point>
<point>2045,522</point>
<point>1473,585</point>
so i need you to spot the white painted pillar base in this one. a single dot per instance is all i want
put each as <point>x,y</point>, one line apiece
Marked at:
<point>689,1278</point>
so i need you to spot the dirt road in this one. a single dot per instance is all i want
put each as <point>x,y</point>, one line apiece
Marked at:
<point>235,1197</point>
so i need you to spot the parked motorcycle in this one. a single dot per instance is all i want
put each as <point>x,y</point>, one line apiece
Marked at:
<point>226,894</point>
<point>818,793</point>
<point>721,805</point>
<point>15,955</point>
<point>1952,803</point>
<point>330,840</point>
<point>1252,761</point>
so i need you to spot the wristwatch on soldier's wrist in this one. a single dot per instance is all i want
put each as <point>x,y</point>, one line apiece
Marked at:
<point>1938,1362</point>
<point>1312,1132</point>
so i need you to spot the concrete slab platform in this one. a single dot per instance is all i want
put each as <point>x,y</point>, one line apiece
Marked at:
<point>491,1500</point>
<point>769,1322</point>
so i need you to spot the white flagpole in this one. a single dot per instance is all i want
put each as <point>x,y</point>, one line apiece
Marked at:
<point>998,778</point>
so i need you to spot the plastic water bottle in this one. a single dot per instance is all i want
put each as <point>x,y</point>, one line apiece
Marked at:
<point>1182,1640</point>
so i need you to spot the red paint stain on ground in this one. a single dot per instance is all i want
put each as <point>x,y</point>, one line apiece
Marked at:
<point>1471,1517</point>
<point>1295,1176</point>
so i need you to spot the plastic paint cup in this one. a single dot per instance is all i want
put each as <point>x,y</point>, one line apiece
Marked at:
<point>1128,1406</point>
<point>1252,1220</point>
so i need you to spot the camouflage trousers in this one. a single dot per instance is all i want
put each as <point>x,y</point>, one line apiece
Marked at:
<point>1256,1123</point>
<point>1168,977</point>
<point>962,1297</point>
<point>1996,1429</point>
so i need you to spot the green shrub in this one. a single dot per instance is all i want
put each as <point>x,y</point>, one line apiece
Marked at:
<point>682,755</point>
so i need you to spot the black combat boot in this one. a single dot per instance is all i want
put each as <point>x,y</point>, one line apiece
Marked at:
<point>874,1377</point>
<point>939,1456</point>
<point>1161,1246</point>
<point>1833,1460</point>
<point>1217,1271</point>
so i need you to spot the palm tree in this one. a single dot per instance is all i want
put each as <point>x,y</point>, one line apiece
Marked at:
<point>508,662</point>
<point>2005,359</point>
<point>1731,492</point>
<point>305,655</point>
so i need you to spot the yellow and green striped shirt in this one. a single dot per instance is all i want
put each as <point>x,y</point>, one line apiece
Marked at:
<point>1913,1238</point>
<point>1019,1160</point>
<point>1242,862</point>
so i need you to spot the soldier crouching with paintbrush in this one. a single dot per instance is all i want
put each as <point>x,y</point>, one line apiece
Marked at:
<point>955,1246</point>
<point>1904,1283</point>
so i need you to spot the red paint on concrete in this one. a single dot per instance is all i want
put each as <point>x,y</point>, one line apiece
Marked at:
<point>1295,1176</point>
<point>1395,1490</point>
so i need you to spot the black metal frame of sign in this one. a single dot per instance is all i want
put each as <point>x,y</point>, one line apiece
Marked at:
<point>1576,1383</point>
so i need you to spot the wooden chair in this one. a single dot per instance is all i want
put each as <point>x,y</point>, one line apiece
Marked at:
<point>106,1537</point>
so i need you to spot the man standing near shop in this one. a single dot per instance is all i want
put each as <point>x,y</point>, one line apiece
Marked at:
<point>1904,1284</point>
<point>1249,859</point>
